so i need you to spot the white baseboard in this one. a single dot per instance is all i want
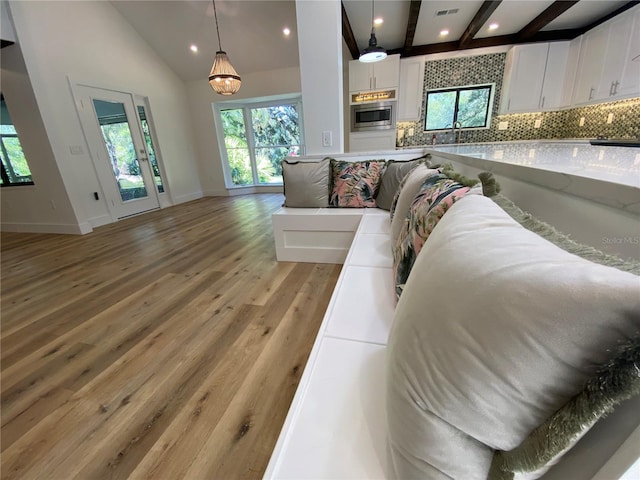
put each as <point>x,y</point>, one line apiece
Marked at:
<point>99,221</point>
<point>177,199</point>
<point>216,193</point>
<point>75,229</point>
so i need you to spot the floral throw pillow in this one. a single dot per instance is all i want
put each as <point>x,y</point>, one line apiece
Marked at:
<point>355,184</point>
<point>437,194</point>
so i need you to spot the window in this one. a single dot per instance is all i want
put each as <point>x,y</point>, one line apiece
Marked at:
<point>257,137</point>
<point>146,131</point>
<point>15,170</point>
<point>470,106</point>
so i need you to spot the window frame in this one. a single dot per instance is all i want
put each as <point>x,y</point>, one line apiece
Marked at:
<point>6,179</point>
<point>458,90</point>
<point>246,105</point>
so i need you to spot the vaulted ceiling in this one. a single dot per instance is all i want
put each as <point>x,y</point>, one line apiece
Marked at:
<point>251,31</point>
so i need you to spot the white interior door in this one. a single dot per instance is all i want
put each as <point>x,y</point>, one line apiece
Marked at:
<point>114,135</point>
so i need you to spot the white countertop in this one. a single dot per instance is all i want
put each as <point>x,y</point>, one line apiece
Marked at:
<point>613,164</point>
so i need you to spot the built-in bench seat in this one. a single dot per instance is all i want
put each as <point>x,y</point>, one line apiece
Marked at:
<point>339,404</point>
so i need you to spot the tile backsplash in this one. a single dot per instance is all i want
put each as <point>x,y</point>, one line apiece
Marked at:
<point>521,126</point>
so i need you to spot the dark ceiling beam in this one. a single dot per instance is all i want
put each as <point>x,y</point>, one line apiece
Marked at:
<point>615,13</point>
<point>412,23</point>
<point>481,17</point>
<point>347,34</point>
<point>550,36</point>
<point>552,12</point>
<point>5,43</point>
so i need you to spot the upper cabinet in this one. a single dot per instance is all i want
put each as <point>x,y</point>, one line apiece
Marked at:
<point>411,88</point>
<point>609,63</point>
<point>534,77</point>
<point>374,76</point>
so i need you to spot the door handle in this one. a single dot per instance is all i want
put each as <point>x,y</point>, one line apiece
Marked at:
<point>143,159</point>
<point>591,90</point>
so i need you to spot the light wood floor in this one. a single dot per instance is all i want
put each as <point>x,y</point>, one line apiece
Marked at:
<point>164,346</point>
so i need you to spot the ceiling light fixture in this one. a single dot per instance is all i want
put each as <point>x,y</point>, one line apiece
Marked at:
<point>379,21</point>
<point>444,33</point>
<point>373,53</point>
<point>286,31</point>
<point>493,26</point>
<point>223,77</point>
<point>194,48</point>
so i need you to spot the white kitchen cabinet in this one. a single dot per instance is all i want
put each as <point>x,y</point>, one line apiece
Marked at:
<point>609,64</point>
<point>571,71</point>
<point>630,79</point>
<point>374,76</point>
<point>372,141</point>
<point>534,77</point>
<point>410,89</point>
<point>592,52</point>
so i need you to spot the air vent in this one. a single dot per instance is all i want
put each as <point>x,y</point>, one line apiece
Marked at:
<point>441,13</point>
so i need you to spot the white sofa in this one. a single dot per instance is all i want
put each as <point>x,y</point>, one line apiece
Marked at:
<point>336,426</point>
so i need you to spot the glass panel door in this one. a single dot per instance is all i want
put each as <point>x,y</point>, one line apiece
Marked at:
<point>151,151</point>
<point>122,152</point>
<point>115,138</point>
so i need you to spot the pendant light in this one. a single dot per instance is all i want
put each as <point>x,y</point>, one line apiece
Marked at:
<point>223,77</point>
<point>373,53</point>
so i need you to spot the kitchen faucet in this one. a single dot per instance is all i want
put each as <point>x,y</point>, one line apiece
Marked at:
<point>456,136</point>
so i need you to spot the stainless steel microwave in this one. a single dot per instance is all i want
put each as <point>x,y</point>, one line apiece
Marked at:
<point>373,116</point>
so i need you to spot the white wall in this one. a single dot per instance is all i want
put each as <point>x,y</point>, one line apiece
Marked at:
<point>44,206</point>
<point>201,99</point>
<point>90,42</point>
<point>6,27</point>
<point>320,48</point>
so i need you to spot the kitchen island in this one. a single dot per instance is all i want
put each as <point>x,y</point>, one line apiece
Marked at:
<point>589,192</point>
<point>613,164</point>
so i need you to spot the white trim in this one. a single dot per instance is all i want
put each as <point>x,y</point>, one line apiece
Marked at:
<point>71,229</point>
<point>101,220</point>
<point>187,197</point>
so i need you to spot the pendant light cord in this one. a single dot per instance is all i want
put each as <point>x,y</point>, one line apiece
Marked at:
<point>372,24</point>
<point>215,15</point>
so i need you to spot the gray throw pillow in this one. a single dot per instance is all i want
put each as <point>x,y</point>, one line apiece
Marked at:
<point>306,184</point>
<point>391,179</point>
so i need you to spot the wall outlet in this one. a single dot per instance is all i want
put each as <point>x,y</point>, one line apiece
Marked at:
<point>503,125</point>
<point>581,123</point>
<point>401,134</point>
<point>610,118</point>
<point>327,141</point>
<point>538,123</point>
<point>411,132</point>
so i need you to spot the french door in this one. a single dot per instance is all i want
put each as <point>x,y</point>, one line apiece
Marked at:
<point>119,151</point>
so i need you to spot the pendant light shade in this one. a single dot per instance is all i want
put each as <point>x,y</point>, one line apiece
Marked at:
<point>223,77</point>
<point>373,53</point>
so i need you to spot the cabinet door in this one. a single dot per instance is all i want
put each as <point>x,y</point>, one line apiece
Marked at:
<point>410,89</point>
<point>571,71</point>
<point>630,80</point>
<point>615,56</point>
<point>360,76</point>
<point>386,73</point>
<point>594,46</point>
<point>554,73</point>
<point>526,79</point>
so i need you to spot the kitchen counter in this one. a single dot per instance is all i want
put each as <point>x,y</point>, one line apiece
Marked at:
<point>606,175</point>
<point>612,164</point>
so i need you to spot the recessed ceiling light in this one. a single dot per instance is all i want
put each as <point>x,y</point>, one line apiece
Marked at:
<point>286,31</point>
<point>378,21</point>
<point>194,48</point>
<point>444,33</point>
<point>493,26</point>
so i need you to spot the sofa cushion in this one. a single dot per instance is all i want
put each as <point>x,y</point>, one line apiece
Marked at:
<point>497,329</point>
<point>407,191</point>
<point>436,195</point>
<point>355,184</point>
<point>306,184</point>
<point>393,175</point>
